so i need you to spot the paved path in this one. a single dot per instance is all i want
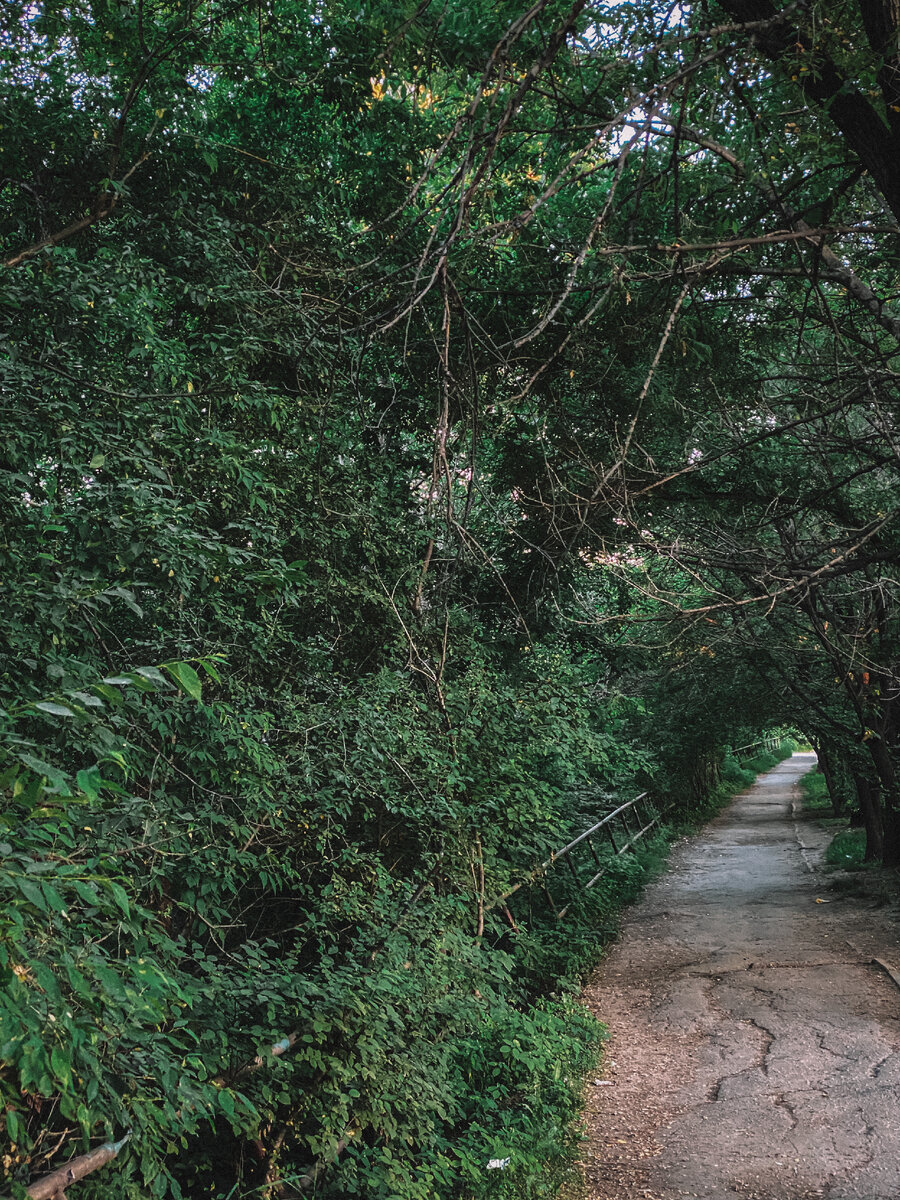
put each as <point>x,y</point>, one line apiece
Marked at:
<point>755,1049</point>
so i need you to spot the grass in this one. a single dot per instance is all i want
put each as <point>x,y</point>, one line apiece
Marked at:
<point>848,846</point>
<point>847,849</point>
<point>815,793</point>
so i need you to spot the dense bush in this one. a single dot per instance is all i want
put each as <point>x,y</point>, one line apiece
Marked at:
<point>734,774</point>
<point>166,946</point>
<point>761,762</point>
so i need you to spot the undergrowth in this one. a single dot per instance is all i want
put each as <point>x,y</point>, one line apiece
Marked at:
<point>815,793</point>
<point>532,1127</point>
<point>737,775</point>
<point>847,849</point>
<point>734,776</point>
<point>450,1063</point>
<point>535,1133</point>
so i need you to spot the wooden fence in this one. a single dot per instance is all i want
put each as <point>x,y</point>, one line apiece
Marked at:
<point>742,753</point>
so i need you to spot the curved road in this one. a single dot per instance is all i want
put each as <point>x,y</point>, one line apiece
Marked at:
<point>755,1047</point>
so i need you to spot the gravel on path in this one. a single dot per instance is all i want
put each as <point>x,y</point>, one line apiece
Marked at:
<point>755,1046</point>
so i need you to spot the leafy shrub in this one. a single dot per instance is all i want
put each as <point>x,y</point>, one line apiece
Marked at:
<point>530,1069</point>
<point>168,939</point>
<point>761,762</point>
<point>733,773</point>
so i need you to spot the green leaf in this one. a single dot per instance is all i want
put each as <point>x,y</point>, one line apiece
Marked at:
<point>210,669</point>
<point>51,706</point>
<point>32,892</point>
<point>15,1126</point>
<point>57,779</point>
<point>152,673</point>
<point>53,898</point>
<point>89,782</point>
<point>186,678</point>
<point>119,894</point>
<point>86,891</point>
<point>61,1065</point>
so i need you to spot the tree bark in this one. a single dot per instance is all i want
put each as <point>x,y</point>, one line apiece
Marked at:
<point>884,765</point>
<point>826,766</point>
<point>870,807</point>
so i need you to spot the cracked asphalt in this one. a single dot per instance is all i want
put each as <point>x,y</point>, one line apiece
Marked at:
<point>755,1047</point>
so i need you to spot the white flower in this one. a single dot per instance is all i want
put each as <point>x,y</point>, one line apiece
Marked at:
<point>498,1164</point>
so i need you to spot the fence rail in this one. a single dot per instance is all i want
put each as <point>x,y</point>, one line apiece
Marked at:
<point>615,828</point>
<point>645,820</point>
<point>751,750</point>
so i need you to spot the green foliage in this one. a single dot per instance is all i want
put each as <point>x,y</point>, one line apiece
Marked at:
<point>736,774</point>
<point>815,792</point>
<point>531,1069</point>
<point>761,762</point>
<point>317,360</point>
<point>847,849</point>
<point>191,964</point>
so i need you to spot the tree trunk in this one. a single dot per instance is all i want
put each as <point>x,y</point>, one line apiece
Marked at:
<point>870,807</point>
<point>884,764</point>
<point>826,766</point>
<point>891,849</point>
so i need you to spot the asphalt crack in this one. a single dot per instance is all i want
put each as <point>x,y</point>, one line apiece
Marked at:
<point>781,1102</point>
<point>769,1040</point>
<point>875,1069</point>
<point>822,1043</point>
<point>805,851</point>
<point>716,973</point>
